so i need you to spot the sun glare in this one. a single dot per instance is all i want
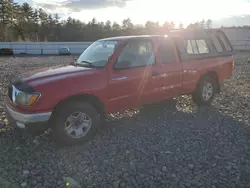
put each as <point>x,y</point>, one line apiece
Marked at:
<point>160,11</point>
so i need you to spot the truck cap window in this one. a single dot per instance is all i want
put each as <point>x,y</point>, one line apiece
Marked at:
<point>224,41</point>
<point>202,46</point>
<point>217,43</point>
<point>196,46</point>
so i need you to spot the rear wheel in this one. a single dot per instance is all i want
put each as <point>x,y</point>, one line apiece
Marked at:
<point>74,123</point>
<point>205,91</point>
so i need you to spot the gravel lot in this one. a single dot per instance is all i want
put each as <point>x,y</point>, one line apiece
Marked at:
<point>174,144</point>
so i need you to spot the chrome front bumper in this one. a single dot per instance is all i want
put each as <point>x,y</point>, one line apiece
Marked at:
<point>21,120</point>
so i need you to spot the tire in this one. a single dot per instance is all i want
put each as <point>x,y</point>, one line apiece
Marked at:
<point>198,96</point>
<point>62,119</point>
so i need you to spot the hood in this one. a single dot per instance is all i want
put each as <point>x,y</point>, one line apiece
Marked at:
<point>52,72</point>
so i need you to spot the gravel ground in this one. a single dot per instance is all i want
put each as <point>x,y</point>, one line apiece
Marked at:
<point>172,144</point>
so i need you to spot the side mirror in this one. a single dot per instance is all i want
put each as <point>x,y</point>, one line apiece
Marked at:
<point>123,64</point>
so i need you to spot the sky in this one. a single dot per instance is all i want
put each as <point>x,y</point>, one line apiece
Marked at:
<point>185,11</point>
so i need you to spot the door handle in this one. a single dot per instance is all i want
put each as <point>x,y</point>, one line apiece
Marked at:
<point>120,78</point>
<point>155,73</point>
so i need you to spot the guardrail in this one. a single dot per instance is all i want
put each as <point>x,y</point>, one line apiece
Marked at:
<point>44,48</point>
<point>241,45</point>
<point>53,48</point>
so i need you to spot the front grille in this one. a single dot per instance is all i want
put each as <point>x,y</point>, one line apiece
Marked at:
<point>10,90</point>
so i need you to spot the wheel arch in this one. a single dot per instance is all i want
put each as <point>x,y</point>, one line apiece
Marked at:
<point>90,98</point>
<point>213,75</point>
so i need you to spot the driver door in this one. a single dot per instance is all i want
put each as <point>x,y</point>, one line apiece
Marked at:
<point>130,74</point>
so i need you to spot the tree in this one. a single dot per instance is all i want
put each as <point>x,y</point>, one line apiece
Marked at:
<point>108,25</point>
<point>180,26</point>
<point>6,19</point>
<point>153,27</point>
<point>58,27</point>
<point>116,27</point>
<point>127,24</point>
<point>35,16</point>
<point>5,11</point>
<point>21,22</point>
<point>43,18</point>
<point>172,25</point>
<point>202,23</point>
<point>27,12</point>
<point>194,25</point>
<point>56,17</point>
<point>166,25</point>
<point>209,23</point>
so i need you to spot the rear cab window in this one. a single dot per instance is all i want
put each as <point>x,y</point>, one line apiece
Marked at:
<point>166,51</point>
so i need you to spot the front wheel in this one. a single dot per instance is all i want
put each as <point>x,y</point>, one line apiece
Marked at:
<point>205,91</point>
<point>74,123</point>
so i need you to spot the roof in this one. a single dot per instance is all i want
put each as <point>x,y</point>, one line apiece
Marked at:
<point>131,37</point>
<point>193,33</point>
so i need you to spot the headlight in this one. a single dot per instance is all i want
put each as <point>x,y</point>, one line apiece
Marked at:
<point>26,99</point>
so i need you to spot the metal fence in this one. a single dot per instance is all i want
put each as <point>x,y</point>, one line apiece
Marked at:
<point>44,48</point>
<point>241,45</point>
<point>239,38</point>
<point>53,48</point>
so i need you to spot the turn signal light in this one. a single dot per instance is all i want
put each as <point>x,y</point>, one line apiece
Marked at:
<point>233,64</point>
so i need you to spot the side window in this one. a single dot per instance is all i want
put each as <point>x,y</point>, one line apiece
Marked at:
<point>136,54</point>
<point>202,46</point>
<point>223,39</point>
<point>166,51</point>
<point>189,47</point>
<point>194,46</point>
<point>217,43</point>
<point>197,47</point>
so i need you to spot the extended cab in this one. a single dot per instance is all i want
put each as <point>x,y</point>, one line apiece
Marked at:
<point>119,73</point>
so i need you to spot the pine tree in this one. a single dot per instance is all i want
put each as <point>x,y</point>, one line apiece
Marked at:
<point>202,23</point>
<point>180,26</point>
<point>209,23</point>
<point>116,27</point>
<point>5,11</point>
<point>27,12</point>
<point>22,22</point>
<point>127,24</point>
<point>35,16</point>
<point>43,18</point>
<point>6,16</point>
<point>58,27</point>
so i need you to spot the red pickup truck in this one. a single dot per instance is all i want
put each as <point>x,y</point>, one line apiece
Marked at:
<point>119,73</point>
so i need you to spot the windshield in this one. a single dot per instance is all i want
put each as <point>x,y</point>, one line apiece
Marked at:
<point>97,54</point>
